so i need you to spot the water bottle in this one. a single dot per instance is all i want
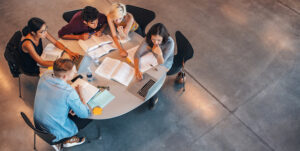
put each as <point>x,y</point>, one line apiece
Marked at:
<point>89,75</point>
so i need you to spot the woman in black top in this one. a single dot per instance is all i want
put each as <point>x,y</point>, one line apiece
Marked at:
<point>31,46</point>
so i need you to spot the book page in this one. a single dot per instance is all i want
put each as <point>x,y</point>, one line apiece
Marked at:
<point>107,67</point>
<point>88,45</point>
<point>104,39</point>
<point>51,53</point>
<point>108,47</point>
<point>123,74</point>
<point>97,53</point>
<point>87,90</point>
<point>101,99</point>
<point>146,61</point>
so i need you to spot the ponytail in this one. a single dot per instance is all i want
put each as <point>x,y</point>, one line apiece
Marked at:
<point>33,25</point>
<point>26,31</point>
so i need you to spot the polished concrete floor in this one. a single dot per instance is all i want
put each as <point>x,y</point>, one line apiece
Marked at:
<point>243,84</point>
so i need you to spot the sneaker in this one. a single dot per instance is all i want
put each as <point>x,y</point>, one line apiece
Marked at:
<point>152,104</point>
<point>74,141</point>
<point>57,147</point>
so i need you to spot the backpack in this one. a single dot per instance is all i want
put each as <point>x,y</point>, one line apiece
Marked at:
<point>12,54</point>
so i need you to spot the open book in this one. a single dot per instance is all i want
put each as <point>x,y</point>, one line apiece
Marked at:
<point>92,95</point>
<point>97,46</point>
<point>51,53</point>
<point>147,61</point>
<point>116,70</point>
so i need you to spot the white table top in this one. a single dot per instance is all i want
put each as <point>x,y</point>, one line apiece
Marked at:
<point>124,101</point>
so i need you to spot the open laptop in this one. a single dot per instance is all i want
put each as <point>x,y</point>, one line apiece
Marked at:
<point>141,88</point>
<point>82,63</point>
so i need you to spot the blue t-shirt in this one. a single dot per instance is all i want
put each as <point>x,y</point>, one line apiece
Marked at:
<point>53,100</point>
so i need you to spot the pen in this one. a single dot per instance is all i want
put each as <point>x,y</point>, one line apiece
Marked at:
<point>103,87</point>
<point>153,67</point>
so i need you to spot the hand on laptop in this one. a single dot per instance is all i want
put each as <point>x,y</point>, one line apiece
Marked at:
<point>138,75</point>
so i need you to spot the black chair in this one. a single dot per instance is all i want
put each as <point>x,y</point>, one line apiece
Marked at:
<point>185,52</point>
<point>67,16</point>
<point>47,137</point>
<point>142,16</point>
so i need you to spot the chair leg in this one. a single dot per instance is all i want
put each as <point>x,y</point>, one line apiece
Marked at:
<point>183,77</point>
<point>20,94</point>
<point>34,140</point>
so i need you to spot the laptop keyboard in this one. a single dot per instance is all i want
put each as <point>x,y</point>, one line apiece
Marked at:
<point>144,90</point>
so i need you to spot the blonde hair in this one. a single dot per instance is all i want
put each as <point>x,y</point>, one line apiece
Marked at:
<point>117,10</point>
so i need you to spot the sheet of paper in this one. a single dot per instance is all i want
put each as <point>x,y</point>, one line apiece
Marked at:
<point>123,74</point>
<point>146,61</point>
<point>51,53</point>
<point>87,89</point>
<point>107,67</point>
<point>101,99</point>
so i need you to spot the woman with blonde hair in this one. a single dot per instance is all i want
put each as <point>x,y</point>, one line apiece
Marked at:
<point>121,22</point>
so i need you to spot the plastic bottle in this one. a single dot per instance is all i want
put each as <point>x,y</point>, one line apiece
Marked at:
<point>89,75</point>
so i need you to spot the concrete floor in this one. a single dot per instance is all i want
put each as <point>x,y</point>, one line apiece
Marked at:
<point>243,84</point>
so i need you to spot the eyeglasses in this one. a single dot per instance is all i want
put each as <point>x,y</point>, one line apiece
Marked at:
<point>44,31</point>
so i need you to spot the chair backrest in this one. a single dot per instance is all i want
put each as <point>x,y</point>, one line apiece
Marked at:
<point>67,16</point>
<point>47,137</point>
<point>12,54</point>
<point>185,52</point>
<point>142,16</point>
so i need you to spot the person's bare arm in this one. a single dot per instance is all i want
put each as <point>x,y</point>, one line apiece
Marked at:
<point>138,74</point>
<point>129,23</point>
<point>61,46</point>
<point>99,33</point>
<point>158,53</point>
<point>123,53</point>
<point>29,48</point>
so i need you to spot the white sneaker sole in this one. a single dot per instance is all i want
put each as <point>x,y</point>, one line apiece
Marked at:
<point>73,144</point>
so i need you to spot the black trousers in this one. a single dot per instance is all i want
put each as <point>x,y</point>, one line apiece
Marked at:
<point>80,122</point>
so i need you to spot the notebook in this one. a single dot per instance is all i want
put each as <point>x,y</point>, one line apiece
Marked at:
<point>92,95</point>
<point>94,42</point>
<point>147,61</point>
<point>51,53</point>
<point>116,70</point>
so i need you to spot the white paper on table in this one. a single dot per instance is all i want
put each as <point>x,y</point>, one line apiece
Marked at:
<point>123,74</point>
<point>51,53</point>
<point>87,90</point>
<point>94,42</point>
<point>107,67</point>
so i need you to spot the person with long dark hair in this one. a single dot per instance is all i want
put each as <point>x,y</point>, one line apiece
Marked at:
<point>158,42</point>
<point>31,46</point>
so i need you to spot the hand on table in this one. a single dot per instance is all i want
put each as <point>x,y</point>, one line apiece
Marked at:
<point>73,55</point>
<point>123,53</point>
<point>84,36</point>
<point>138,75</point>
<point>98,33</point>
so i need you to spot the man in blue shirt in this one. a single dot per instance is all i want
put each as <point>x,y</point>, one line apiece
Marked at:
<point>55,99</point>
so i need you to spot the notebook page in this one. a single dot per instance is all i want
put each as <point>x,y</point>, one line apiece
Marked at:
<point>51,53</point>
<point>88,45</point>
<point>107,67</point>
<point>101,99</point>
<point>123,74</point>
<point>146,61</point>
<point>87,90</point>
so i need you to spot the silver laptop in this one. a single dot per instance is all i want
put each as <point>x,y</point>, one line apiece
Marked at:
<point>141,88</point>
<point>82,63</point>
